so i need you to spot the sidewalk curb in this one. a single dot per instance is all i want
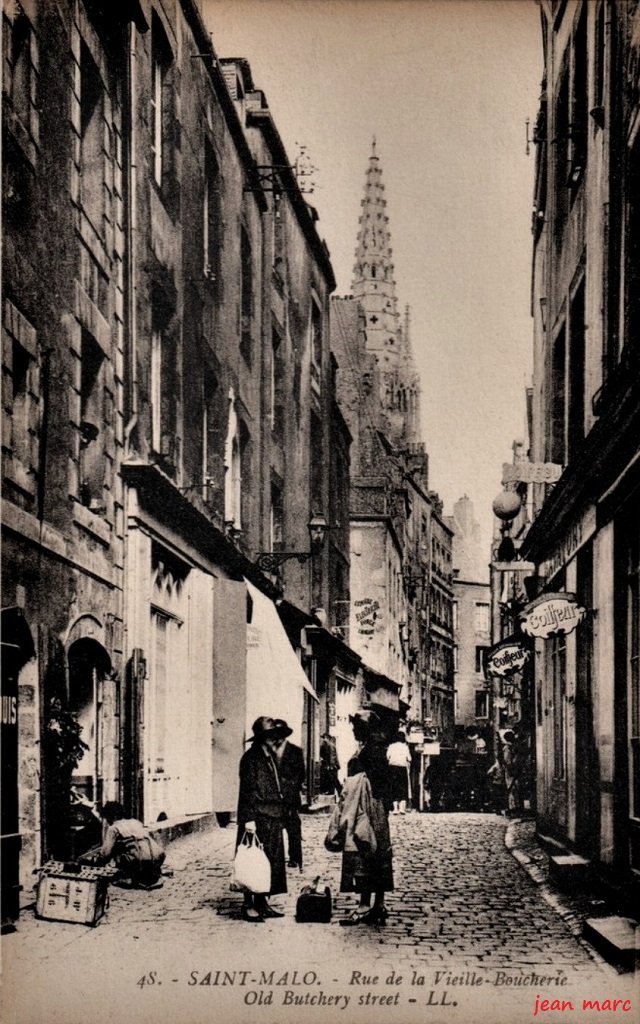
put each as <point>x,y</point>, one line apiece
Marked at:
<point>554,899</point>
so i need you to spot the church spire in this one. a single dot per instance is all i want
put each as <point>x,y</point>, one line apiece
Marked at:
<point>373,283</point>
<point>387,336</point>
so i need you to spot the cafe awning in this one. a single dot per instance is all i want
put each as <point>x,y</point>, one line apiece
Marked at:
<point>275,678</point>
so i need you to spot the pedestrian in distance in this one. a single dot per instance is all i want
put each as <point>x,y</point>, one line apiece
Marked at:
<point>290,764</point>
<point>329,766</point>
<point>369,870</point>
<point>261,811</point>
<point>399,758</point>
<point>512,764</point>
<point>137,855</point>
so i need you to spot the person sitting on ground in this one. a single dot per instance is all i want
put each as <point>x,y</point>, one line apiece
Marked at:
<point>137,855</point>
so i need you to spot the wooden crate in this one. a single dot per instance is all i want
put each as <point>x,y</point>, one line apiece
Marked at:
<point>77,898</point>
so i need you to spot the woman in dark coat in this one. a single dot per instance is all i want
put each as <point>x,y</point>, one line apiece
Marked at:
<point>261,811</point>
<point>367,872</point>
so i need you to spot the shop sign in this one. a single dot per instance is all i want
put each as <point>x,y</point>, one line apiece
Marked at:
<point>416,736</point>
<point>550,615</point>
<point>506,658</point>
<point>531,472</point>
<point>580,531</point>
<point>432,749</point>
<point>367,609</point>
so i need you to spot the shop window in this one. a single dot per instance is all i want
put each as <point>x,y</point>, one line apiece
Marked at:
<point>92,126</point>
<point>246,295</point>
<point>92,467</point>
<point>482,704</point>
<point>557,399</point>
<point>161,60</point>
<point>576,371</point>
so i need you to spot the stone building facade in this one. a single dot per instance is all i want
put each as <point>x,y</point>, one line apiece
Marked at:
<point>168,413</point>
<point>584,539</point>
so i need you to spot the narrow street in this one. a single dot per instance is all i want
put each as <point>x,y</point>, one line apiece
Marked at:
<point>469,934</point>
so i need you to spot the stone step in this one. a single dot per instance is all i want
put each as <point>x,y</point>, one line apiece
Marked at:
<point>568,870</point>
<point>616,938</point>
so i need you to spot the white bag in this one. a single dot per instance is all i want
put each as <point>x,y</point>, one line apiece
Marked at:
<point>251,866</point>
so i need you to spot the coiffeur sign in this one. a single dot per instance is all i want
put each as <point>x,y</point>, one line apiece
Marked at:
<point>507,657</point>
<point>551,614</point>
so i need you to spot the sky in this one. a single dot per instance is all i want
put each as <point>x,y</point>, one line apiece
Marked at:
<point>445,86</point>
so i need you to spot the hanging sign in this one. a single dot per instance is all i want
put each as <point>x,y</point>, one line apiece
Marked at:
<point>507,657</point>
<point>550,615</point>
<point>531,472</point>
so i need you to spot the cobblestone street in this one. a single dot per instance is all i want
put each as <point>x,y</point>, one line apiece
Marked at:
<point>467,926</point>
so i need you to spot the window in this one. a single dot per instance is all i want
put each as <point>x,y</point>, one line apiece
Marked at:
<point>558,656</point>
<point>18,67</point>
<point>316,344</point>
<point>557,398</point>
<point>237,466</point>
<point>316,463</point>
<point>20,398</point>
<point>246,294</point>
<point>579,100</point>
<point>576,371</point>
<point>210,213</point>
<point>561,145</point>
<point>156,389</point>
<point>276,411</point>
<point>210,458</point>
<point>481,655</point>
<point>92,128</point>
<point>161,59</point>
<point>276,519</point>
<point>599,67</point>
<point>482,704</point>
<point>633,664</point>
<point>481,617</point>
<point>92,414</point>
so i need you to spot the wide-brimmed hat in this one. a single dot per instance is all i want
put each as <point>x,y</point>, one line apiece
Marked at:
<point>283,728</point>
<point>262,728</point>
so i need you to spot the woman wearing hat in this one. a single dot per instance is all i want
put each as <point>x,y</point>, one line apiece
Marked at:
<point>291,771</point>
<point>367,872</point>
<point>261,810</point>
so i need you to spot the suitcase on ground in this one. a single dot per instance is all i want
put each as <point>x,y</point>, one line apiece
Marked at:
<point>314,905</point>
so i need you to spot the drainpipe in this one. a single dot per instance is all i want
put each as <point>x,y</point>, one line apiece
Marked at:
<point>131,214</point>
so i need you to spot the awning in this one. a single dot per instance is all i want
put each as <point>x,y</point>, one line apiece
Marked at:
<point>275,678</point>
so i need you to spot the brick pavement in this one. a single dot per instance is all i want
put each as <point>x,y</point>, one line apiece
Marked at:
<point>464,918</point>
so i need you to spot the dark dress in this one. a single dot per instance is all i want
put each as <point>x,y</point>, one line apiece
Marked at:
<point>372,872</point>
<point>260,800</point>
<point>292,773</point>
